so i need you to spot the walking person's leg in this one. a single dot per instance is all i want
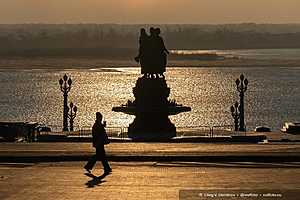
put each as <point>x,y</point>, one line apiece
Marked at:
<point>91,163</point>
<point>105,164</point>
<point>104,161</point>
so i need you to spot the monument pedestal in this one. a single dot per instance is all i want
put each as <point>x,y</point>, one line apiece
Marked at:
<point>151,126</point>
<point>151,108</point>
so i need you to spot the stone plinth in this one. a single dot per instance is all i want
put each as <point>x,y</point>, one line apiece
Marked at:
<point>151,108</point>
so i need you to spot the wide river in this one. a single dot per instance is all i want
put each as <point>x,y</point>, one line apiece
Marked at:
<point>273,95</point>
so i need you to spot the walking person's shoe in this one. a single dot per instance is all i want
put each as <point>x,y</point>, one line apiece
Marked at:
<point>87,169</point>
<point>107,171</point>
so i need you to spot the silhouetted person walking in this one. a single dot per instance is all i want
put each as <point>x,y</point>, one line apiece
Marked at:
<point>99,140</point>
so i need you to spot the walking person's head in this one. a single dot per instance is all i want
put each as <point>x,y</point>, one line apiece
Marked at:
<point>98,116</point>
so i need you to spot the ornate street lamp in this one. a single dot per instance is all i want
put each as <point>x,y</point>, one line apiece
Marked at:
<point>241,85</point>
<point>235,113</point>
<point>72,115</point>
<point>65,87</point>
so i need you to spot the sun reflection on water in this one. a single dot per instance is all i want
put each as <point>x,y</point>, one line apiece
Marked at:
<point>35,96</point>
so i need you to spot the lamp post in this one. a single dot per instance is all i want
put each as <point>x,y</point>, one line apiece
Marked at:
<point>236,115</point>
<point>241,85</point>
<point>65,86</point>
<point>72,115</point>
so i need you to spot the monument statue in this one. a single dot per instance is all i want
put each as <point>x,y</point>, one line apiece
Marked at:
<point>151,105</point>
<point>152,53</point>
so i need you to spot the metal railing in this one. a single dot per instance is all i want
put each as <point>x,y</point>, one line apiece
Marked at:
<point>111,131</point>
<point>209,131</point>
<point>122,132</point>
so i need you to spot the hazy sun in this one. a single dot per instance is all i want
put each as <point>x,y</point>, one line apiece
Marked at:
<point>140,3</point>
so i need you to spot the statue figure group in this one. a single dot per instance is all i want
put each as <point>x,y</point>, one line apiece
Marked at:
<point>152,53</point>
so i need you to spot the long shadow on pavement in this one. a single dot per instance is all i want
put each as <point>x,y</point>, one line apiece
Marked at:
<point>96,180</point>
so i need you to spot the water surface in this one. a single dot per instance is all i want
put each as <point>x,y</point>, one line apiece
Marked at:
<point>273,95</point>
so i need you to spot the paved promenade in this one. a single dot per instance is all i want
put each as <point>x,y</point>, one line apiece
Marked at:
<point>155,171</point>
<point>46,152</point>
<point>144,180</point>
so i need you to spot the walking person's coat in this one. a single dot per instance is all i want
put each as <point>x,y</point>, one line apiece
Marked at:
<point>99,140</point>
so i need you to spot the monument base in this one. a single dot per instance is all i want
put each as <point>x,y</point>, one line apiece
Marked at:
<point>151,127</point>
<point>151,108</point>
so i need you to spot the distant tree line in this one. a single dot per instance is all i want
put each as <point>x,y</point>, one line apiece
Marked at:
<point>93,39</point>
<point>228,39</point>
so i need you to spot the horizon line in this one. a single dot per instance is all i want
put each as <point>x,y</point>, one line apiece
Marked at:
<point>90,23</point>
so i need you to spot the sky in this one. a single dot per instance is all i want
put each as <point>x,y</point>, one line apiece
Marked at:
<point>149,11</point>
